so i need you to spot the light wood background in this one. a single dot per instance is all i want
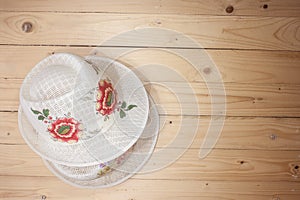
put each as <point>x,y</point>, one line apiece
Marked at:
<point>257,50</point>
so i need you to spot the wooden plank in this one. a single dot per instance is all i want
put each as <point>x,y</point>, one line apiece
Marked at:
<point>238,132</point>
<point>34,187</point>
<point>242,99</point>
<point>233,165</point>
<point>8,91</point>
<point>220,164</point>
<point>268,67</point>
<point>9,128</point>
<point>202,7</point>
<point>277,33</point>
<point>255,157</point>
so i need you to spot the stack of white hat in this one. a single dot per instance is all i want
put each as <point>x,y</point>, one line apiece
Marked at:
<point>90,119</point>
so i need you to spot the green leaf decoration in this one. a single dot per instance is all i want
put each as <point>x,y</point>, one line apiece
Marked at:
<point>36,111</point>
<point>130,107</point>
<point>110,99</point>
<point>46,112</point>
<point>41,117</point>
<point>64,129</point>
<point>123,104</point>
<point>122,114</point>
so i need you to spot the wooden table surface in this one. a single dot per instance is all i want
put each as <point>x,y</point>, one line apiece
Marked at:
<point>254,44</point>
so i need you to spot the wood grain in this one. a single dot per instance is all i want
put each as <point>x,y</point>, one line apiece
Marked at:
<point>221,164</point>
<point>242,99</point>
<point>268,67</point>
<point>202,7</point>
<point>238,132</point>
<point>256,49</point>
<point>273,33</point>
<point>34,187</point>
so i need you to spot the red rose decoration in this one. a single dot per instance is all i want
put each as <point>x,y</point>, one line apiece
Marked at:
<point>65,130</point>
<point>106,98</point>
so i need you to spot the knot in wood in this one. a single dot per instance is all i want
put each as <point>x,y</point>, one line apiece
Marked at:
<point>229,9</point>
<point>27,27</point>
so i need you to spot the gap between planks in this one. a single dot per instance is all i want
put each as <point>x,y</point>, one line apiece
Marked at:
<point>145,47</point>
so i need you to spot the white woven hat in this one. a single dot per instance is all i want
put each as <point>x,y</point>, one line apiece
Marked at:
<point>81,112</point>
<point>115,171</point>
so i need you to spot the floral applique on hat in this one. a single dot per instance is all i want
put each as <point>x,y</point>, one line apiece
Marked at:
<point>63,129</point>
<point>104,169</point>
<point>106,100</point>
<point>107,167</point>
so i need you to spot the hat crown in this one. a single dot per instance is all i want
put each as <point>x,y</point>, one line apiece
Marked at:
<point>64,85</point>
<point>52,82</point>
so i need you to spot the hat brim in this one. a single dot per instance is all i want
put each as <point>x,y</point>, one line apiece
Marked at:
<point>134,162</point>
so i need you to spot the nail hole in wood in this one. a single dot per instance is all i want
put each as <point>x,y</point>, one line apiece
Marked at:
<point>170,122</point>
<point>206,70</point>
<point>27,27</point>
<point>206,184</point>
<point>242,162</point>
<point>296,167</point>
<point>279,88</point>
<point>43,197</point>
<point>273,137</point>
<point>265,6</point>
<point>8,133</point>
<point>229,9</point>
